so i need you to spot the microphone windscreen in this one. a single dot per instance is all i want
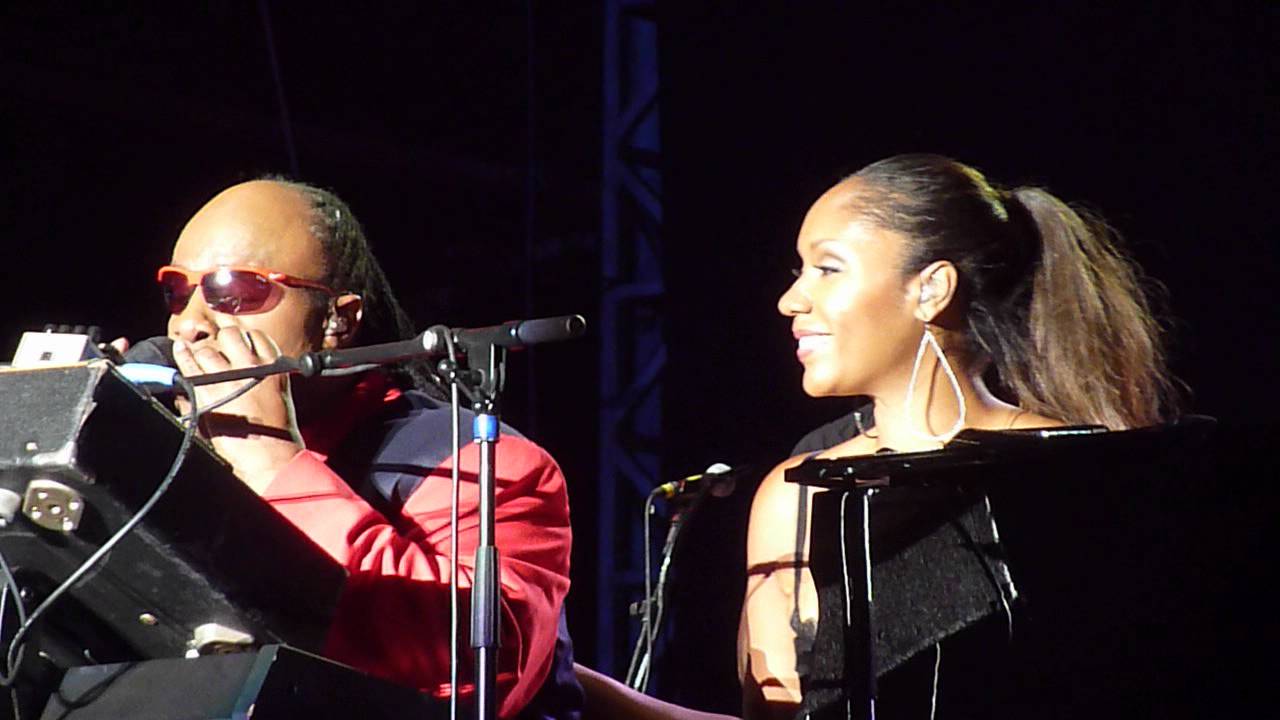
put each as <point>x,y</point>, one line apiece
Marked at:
<point>152,351</point>
<point>553,329</point>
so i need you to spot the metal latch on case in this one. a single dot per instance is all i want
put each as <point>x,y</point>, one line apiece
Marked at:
<point>53,505</point>
<point>213,639</point>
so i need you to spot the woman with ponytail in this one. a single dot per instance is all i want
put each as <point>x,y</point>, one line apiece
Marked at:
<point>949,303</point>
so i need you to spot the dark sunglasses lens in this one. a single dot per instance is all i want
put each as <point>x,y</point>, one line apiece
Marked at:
<point>235,291</point>
<point>176,291</point>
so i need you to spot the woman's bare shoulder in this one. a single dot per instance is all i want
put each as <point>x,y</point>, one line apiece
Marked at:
<point>857,445</point>
<point>775,488</point>
<point>775,483</point>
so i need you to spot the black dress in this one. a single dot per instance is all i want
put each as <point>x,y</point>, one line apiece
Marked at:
<point>943,600</point>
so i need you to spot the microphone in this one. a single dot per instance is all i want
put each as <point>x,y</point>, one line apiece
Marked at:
<point>520,333</point>
<point>152,351</point>
<point>435,343</point>
<point>717,479</point>
<point>150,364</point>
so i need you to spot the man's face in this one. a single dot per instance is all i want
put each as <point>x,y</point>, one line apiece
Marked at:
<point>262,225</point>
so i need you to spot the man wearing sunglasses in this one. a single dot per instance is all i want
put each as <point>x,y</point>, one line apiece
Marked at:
<point>362,464</point>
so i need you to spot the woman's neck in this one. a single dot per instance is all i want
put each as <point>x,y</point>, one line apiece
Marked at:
<point>935,411</point>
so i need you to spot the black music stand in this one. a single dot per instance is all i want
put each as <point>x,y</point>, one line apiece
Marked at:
<point>973,463</point>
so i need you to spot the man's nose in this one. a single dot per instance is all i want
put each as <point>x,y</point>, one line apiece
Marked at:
<point>195,322</point>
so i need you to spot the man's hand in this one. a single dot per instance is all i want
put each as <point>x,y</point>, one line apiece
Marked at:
<point>255,432</point>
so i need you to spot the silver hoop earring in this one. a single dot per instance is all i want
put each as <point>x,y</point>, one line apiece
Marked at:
<point>927,340</point>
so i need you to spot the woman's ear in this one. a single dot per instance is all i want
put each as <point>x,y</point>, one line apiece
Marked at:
<point>343,322</point>
<point>933,289</point>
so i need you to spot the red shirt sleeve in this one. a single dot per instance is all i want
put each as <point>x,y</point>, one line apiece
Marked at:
<point>393,619</point>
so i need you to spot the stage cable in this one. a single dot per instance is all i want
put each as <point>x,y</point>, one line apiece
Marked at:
<point>286,124</point>
<point>653,606</point>
<point>530,211</point>
<point>637,669</point>
<point>8,589</point>
<point>455,478</point>
<point>12,658</point>
<point>237,393</point>
<point>937,667</point>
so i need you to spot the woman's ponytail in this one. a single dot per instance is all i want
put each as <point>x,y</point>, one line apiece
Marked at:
<point>1094,353</point>
<point>1049,299</point>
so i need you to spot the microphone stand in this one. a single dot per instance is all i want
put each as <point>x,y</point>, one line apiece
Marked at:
<point>483,387</point>
<point>486,352</point>
<point>655,602</point>
<point>482,384</point>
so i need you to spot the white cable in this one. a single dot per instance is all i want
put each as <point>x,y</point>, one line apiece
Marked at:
<point>637,668</point>
<point>649,600</point>
<point>11,586</point>
<point>453,554</point>
<point>844,563</point>
<point>866,546</point>
<point>1006,602</point>
<point>659,598</point>
<point>15,644</point>
<point>937,665</point>
<point>844,574</point>
<point>455,478</point>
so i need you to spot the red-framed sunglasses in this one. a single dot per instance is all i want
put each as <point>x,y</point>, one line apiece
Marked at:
<point>230,290</point>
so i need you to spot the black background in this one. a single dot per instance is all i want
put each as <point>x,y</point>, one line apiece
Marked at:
<point>467,139</point>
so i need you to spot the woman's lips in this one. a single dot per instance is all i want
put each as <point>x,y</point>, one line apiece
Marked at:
<point>810,343</point>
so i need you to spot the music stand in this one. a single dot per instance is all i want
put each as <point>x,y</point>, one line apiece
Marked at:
<point>971,462</point>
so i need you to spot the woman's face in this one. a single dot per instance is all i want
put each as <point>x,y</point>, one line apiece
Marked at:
<point>851,305</point>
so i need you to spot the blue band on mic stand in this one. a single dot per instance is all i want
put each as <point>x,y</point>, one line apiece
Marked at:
<point>485,427</point>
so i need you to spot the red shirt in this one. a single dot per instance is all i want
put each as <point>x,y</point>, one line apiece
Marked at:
<point>393,618</point>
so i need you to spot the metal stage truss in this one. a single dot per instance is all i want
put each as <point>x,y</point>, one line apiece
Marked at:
<point>633,351</point>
